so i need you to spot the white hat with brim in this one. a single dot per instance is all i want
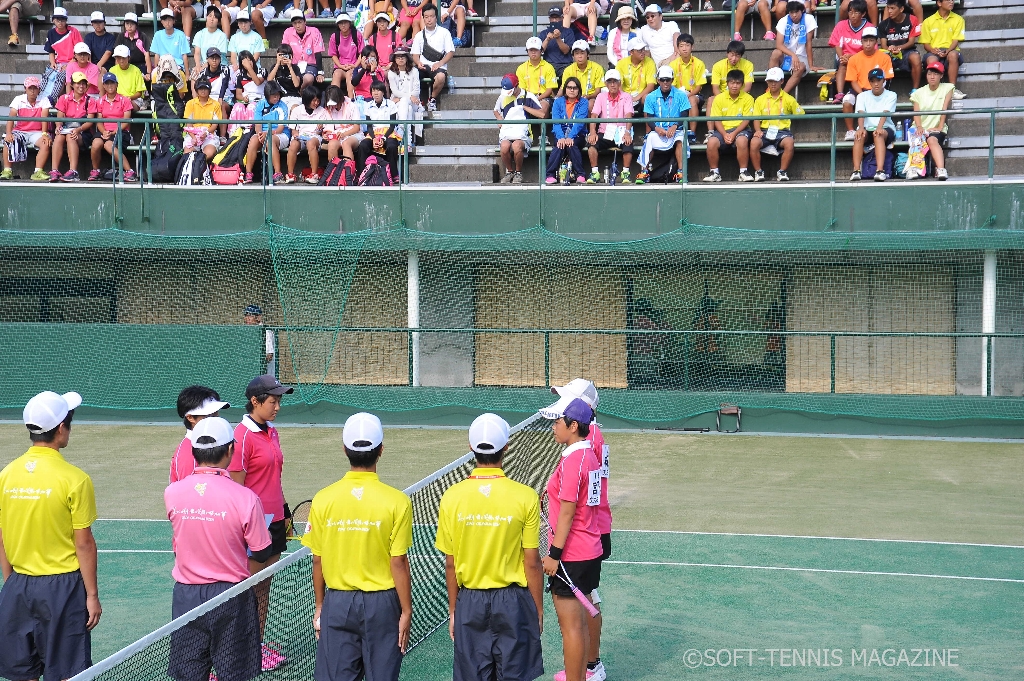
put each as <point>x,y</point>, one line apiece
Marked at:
<point>131,16</point>
<point>97,16</point>
<point>775,74</point>
<point>612,74</point>
<point>580,45</point>
<point>208,407</point>
<point>216,428</point>
<point>534,43</point>
<point>488,434</point>
<point>243,16</point>
<point>122,51</point>
<point>343,17</point>
<point>167,12</point>
<point>666,72</point>
<point>652,9</point>
<point>576,389</point>
<point>47,410</point>
<point>82,48</point>
<point>384,15</point>
<point>636,44</point>
<point>59,13</point>
<point>362,433</point>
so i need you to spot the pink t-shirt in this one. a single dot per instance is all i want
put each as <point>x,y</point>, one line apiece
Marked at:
<point>92,74</point>
<point>182,463</point>
<point>305,48</point>
<point>605,107</point>
<point>604,509</point>
<point>577,478</point>
<point>258,453</point>
<point>110,108</point>
<point>70,107</point>
<point>847,39</point>
<point>214,520</point>
<point>346,48</point>
<point>20,107</point>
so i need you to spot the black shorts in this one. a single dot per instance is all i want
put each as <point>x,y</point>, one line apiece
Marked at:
<point>777,142</point>
<point>585,574</point>
<point>497,635</point>
<point>700,101</point>
<point>278,537</point>
<point>227,638</point>
<point>358,636</point>
<point>954,55</point>
<point>731,147</point>
<point>902,63</point>
<point>606,546</point>
<point>605,145</point>
<point>43,627</point>
<point>427,73</point>
<point>940,137</point>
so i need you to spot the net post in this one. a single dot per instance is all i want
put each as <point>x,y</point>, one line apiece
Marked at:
<point>832,363</point>
<point>413,306</point>
<point>988,320</point>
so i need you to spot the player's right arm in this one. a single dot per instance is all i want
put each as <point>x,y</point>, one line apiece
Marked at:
<point>5,565</point>
<point>319,587</point>
<point>85,549</point>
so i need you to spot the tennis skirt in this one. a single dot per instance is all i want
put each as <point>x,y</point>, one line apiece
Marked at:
<point>585,574</point>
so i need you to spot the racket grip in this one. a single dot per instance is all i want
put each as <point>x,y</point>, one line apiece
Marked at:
<point>591,608</point>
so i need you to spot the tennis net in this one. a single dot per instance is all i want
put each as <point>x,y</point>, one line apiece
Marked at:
<point>282,596</point>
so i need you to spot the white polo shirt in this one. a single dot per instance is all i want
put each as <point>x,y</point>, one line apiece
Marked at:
<point>661,43</point>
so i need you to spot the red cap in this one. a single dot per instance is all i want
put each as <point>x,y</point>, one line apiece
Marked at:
<point>509,81</point>
<point>937,66</point>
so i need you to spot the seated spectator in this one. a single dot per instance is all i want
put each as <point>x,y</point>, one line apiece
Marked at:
<point>137,44</point>
<point>588,11</point>
<point>612,102</point>
<point>404,84</point>
<point>111,106</point>
<point>452,17</point>
<point>639,75</point>
<point>219,76</point>
<point>244,40</point>
<point>211,36</point>
<point>871,10</point>
<point>662,105</point>
<point>130,81</point>
<point>731,135</point>
<point>410,19</point>
<point>61,40</point>
<point>936,96</point>
<point>285,73</point>
<point>280,135</point>
<point>588,72</point>
<point>29,133</point>
<point>875,130</point>
<point>365,74</point>
<point>382,35</point>
<point>203,136</point>
<point>846,40</point>
<point>15,10</point>
<point>183,9</point>
<point>763,9</point>
<point>249,79</point>
<point>432,49</point>
<point>793,50</point>
<point>691,76</point>
<point>83,64</point>
<point>536,76</point>
<point>659,36</point>
<point>72,134</point>
<point>171,41</point>
<point>385,137</point>
<point>941,35</point>
<point>515,138</point>
<point>556,41</point>
<point>898,35</point>
<point>262,12</point>
<point>307,48</point>
<point>306,135</point>
<point>229,13</point>
<point>774,137</point>
<point>344,48</point>
<point>343,134</point>
<point>101,43</point>
<point>620,35</point>
<point>857,69</point>
<point>569,137</point>
<point>734,60</point>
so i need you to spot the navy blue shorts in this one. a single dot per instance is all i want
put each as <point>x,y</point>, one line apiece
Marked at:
<point>226,639</point>
<point>497,635</point>
<point>43,627</point>
<point>359,636</point>
<point>722,146</point>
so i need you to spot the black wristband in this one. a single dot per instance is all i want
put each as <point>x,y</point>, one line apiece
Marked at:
<point>555,553</point>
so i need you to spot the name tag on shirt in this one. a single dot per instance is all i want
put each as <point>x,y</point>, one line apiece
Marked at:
<point>594,488</point>
<point>605,460</point>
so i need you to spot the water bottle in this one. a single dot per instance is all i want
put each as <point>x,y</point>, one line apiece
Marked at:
<point>561,174</point>
<point>606,176</point>
<point>451,85</point>
<point>899,131</point>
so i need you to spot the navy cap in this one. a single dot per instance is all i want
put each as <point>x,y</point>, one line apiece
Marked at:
<point>266,385</point>
<point>213,51</point>
<point>876,74</point>
<point>555,11</point>
<point>109,78</point>
<point>579,411</point>
<point>253,310</point>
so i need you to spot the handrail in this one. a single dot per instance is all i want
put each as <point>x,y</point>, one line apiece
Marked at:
<point>647,332</point>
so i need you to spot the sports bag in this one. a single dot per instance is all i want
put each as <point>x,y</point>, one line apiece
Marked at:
<point>193,170</point>
<point>340,172</point>
<point>375,174</point>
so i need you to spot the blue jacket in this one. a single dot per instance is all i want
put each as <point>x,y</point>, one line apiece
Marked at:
<point>579,111</point>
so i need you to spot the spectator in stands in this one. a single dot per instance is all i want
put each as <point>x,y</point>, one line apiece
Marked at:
<point>29,133</point>
<point>578,11</point>
<point>452,16</point>
<point>569,137</point>
<point>858,68</point>
<point>941,35</point>
<point>249,79</point>
<point>130,82</point>
<point>382,35</point>
<point>588,72</point>
<point>262,12</point>
<point>639,74</point>
<point>344,47</point>
<point>732,135</point>
<point>219,76</point>
<point>793,50</point>
<point>774,137</point>
<point>367,72</point>
<point>286,73</point>
<point>270,109</point>
<point>556,41</point>
<point>75,135</point>
<point>536,76</point>
<point>385,137</point>
<point>306,135</point>
<point>871,9</point>
<point>83,64</point>
<point>184,9</point>
<point>846,40</point>
<point>612,102</point>
<point>171,41</point>
<point>307,48</point>
<point>898,35</point>
<point>432,49</point>
<point>61,40</point>
<point>733,61</point>
<point>620,35</point>
<point>936,96</point>
<point>136,42</point>
<point>211,36</point>
<point>344,133</point>
<point>111,106</point>
<point>410,19</point>
<point>203,135</point>
<point>244,40</point>
<point>691,76</point>
<point>229,14</point>
<point>15,10</point>
<point>876,100</point>
<point>404,84</point>
<point>101,43</point>
<point>660,107</point>
<point>763,8</point>
<point>515,138</point>
<point>659,36</point>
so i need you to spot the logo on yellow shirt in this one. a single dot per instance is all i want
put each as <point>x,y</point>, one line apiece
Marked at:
<point>201,488</point>
<point>30,466</point>
<point>485,490</point>
<point>357,492</point>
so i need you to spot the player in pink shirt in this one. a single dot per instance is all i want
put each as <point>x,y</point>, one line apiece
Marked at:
<point>308,49</point>
<point>195,403</point>
<point>216,524</point>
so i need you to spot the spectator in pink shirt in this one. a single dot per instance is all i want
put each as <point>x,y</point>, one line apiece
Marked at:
<point>195,403</point>
<point>29,133</point>
<point>106,106</point>
<point>61,40</point>
<point>307,48</point>
<point>612,102</point>
<point>83,64</point>
<point>845,39</point>
<point>345,45</point>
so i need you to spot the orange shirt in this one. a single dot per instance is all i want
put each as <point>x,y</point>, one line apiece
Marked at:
<point>860,65</point>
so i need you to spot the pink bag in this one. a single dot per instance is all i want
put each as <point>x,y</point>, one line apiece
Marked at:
<point>226,175</point>
<point>239,112</point>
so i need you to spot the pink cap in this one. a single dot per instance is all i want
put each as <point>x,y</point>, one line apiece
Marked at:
<point>32,81</point>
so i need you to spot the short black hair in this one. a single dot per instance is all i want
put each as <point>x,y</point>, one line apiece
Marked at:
<point>210,455</point>
<point>684,38</point>
<point>191,397</point>
<point>795,6</point>
<point>581,428</point>
<point>308,95</point>
<point>734,75</point>
<point>50,435</point>
<point>858,6</point>
<point>285,48</point>
<point>490,458</point>
<point>260,399</point>
<point>364,459</point>
<point>428,7</point>
<point>902,4</point>
<point>377,85</point>
<point>739,48</point>
<point>214,8</point>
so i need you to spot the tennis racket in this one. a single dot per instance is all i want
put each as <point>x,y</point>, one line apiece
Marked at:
<point>562,574</point>
<point>300,520</point>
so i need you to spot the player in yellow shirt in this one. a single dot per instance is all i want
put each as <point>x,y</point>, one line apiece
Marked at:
<point>50,601</point>
<point>537,76</point>
<point>360,531</point>
<point>691,76</point>
<point>488,528</point>
<point>639,75</point>
<point>203,107</point>
<point>941,35</point>
<point>774,137</point>
<point>731,134</point>
<point>589,73</point>
<point>720,71</point>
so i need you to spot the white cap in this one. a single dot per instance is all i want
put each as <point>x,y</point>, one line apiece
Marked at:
<point>217,428</point>
<point>47,410</point>
<point>613,74</point>
<point>168,12</point>
<point>636,43</point>
<point>488,434</point>
<point>666,72</point>
<point>774,73</point>
<point>578,387</point>
<point>344,16</point>
<point>384,15</point>
<point>82,48</point>
<point>534,43</point>
<point>294,13</point>
<point>869,30</point>
<point>652,9</point>
<point>131,16</point>
<point>122,51</point>
<point>209,405</point>
<point>97,16</point>
<point>362,432</point>
<point>581,45</point>
<point>60,12</point>
<point>242,16</point>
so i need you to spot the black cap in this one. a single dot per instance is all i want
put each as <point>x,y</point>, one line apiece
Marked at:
<point>266,385</point>
<point>203,83</point>
<point>213,52</point>
<point>555,12</point>
<point>253,309</point>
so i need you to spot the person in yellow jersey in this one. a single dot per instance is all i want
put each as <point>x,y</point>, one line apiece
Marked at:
<point>638,72</point>
<point>774,137</point>
<point>360,531</point>
<point>50,601</point>
<point>488,528</point>
<point>731,135</point>
<point>734,59</point>
<point>537,76</point>
<point>691,75</point>
<point>589,73</point>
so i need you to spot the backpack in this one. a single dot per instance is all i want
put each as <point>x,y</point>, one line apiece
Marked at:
<point>869,166</point>
<point>164,163</point>
<point>663,165</point>
<point>233,153</point>
<point>375,174</point>
<point>340,172</point>
<point>167,103</point>
<point>192,170</point>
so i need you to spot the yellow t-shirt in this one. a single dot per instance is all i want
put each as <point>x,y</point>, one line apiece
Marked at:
<point>725,105</point>
<point>195,109</point>
<point>129,80</point>
<point>636,77</point>
<point>537,79</point>
<point>766,105</point>
<point>485,522</point>
<point>356,526</point>
<point>689,76</point>
<point>44,500</point>
<point>721,69</point>
<point>940,33</point>
<point>591,78</point>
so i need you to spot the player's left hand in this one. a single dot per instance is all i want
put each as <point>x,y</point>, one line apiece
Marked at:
<point>451,626</point>
<point>92,605</point>
<point>316,623</point>
<point>404,627</point>
<point>550,566</point>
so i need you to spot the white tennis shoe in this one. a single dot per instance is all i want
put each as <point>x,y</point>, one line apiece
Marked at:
<point>596,674</point>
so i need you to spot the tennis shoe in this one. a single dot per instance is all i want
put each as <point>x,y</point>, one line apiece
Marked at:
<point>272,658</point>
<point>596,674</point>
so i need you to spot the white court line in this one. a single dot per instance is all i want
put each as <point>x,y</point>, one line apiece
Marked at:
<point>133,520</point>
<point>133,551</point>
<point>811,536</point>
<point>801,569</point>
